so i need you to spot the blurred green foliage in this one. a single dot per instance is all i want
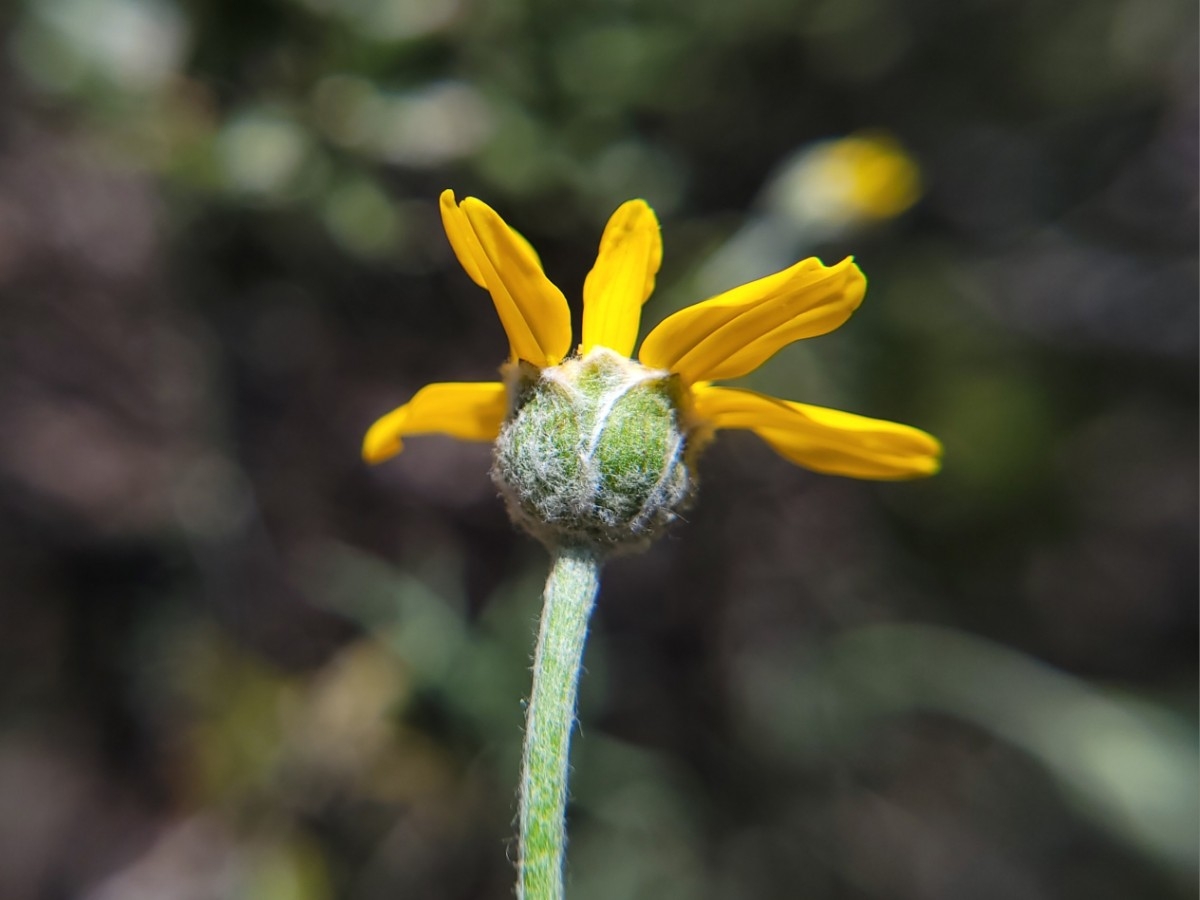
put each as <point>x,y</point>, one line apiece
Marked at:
<point>236,663</point>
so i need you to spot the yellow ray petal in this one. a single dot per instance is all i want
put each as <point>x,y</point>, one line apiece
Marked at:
<point>532,310</point>
<point>622,278</point>
<point>470,411</point>
<point>825,440</point>
<point>736,332</point>
<point>462,239</point>
<point>458,231</point>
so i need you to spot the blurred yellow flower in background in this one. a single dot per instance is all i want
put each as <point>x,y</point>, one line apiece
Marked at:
<point>827,190</point>
<point>725,337</point>
<point>861,177</point>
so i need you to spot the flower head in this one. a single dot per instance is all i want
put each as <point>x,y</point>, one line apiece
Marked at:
<point>834,184</point>
<point>555,412</point>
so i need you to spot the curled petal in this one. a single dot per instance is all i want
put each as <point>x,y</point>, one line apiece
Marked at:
<point>470,411</point>
<point>736,332</point>
<point>532,310</point>
<point>825,440</point>
<point>622,278</point>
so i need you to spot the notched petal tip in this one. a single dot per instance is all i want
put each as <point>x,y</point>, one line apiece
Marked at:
<point>622,278</point>
<point>454,221</point>
<point>734,333</point>
<point>457,224</point>
<point>532,309</point>
<point>887,457</point>
<point>824,440</point>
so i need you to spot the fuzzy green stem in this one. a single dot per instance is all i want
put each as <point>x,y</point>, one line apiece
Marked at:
<point>570,594</point>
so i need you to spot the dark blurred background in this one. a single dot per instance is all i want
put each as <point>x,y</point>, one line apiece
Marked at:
<point>237,663</point>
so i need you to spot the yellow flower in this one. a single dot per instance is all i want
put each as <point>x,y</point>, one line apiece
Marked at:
<point>725,337</point>
<point>838,183</point>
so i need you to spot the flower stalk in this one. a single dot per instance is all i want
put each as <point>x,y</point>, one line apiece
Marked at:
<point>570,595</point>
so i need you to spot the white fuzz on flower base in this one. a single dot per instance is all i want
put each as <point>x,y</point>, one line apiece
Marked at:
<point>594,452</point>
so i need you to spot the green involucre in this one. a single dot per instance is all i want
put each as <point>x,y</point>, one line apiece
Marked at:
<point>594,452</point>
